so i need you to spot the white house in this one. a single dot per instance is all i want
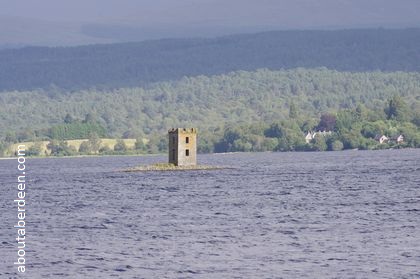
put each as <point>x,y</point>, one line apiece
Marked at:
<point>311,135</point>
<point>382,139</point>
<point>398,139</point>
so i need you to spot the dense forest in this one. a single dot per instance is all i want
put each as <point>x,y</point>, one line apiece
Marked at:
<point>140,64</point>
<point>357,128</point>
<point>245,102</point>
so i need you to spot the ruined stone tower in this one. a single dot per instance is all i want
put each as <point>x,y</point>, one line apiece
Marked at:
<point>183,146</point>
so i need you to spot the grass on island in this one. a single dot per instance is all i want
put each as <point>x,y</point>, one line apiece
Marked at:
<point>170,167</point>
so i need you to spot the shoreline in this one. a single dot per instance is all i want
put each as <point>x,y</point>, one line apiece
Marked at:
<point>220,153</point>
<point>87,156</point>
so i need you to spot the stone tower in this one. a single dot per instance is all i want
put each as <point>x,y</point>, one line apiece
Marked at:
<point>183,146</point>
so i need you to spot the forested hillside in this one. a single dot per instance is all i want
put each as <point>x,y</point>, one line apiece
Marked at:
<point>209,103</point>
<point>143,63</point>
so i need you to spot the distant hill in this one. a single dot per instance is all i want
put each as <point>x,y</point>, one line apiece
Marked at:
<point>17,31</point>
<point>81,22</point>
<point>139,64</point>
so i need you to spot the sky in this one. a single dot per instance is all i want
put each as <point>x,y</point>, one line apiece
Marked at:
<point>282,12</point>
<point>198,17</point>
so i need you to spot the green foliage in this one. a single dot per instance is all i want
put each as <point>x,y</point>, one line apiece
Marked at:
<point>327,122</point>
<point>269,144</point>
<point>345,120</point>
<point>411,134</point>
<point>105,150</point>
<point>3,148</point>
<point>10,137</point>
<point>76,130</point>
<point>163,144</point>
<point>35,149</point>
<point>94,142</point>
<point>85,148</point>
<point>293,112</point>
<point>353,131</point>
<point>61,148</point>
<point>275,131</point>
<point>336,145</point>
<point>240,111</point>
<point>360,112</point>
<point>139,145</point>
<point>309,124</point>
<point>208,103</point>
<point>320,143</point>
<point>372,129</point>
<point>152,148</point>
<point>293,140</point>
<point>351,139</point>
<point>242,145</point>
<point>68,119</point>
<point>91,146</point>
<point>397,109</point>
<point>120,146</point>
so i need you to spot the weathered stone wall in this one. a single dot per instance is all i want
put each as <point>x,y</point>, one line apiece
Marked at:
<point>183,146</point>
<point>173,147</point>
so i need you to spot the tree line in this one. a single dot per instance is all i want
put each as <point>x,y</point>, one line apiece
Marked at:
<point>211,104</point>
<point>357,128</point>
<point>208,103</point>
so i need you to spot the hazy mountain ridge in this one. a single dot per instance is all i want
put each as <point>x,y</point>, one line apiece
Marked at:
<point>69,23</point>
<point>139,64</point>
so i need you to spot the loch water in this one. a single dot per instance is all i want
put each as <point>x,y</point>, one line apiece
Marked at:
<point>350,214</point>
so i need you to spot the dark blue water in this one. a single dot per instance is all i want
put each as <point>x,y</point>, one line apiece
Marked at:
<point>353,214</point>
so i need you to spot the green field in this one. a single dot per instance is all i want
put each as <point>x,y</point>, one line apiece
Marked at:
<point>130,143</point>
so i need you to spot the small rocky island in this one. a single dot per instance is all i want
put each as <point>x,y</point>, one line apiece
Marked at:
<point>182,153</point>
<point>171,167</point>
